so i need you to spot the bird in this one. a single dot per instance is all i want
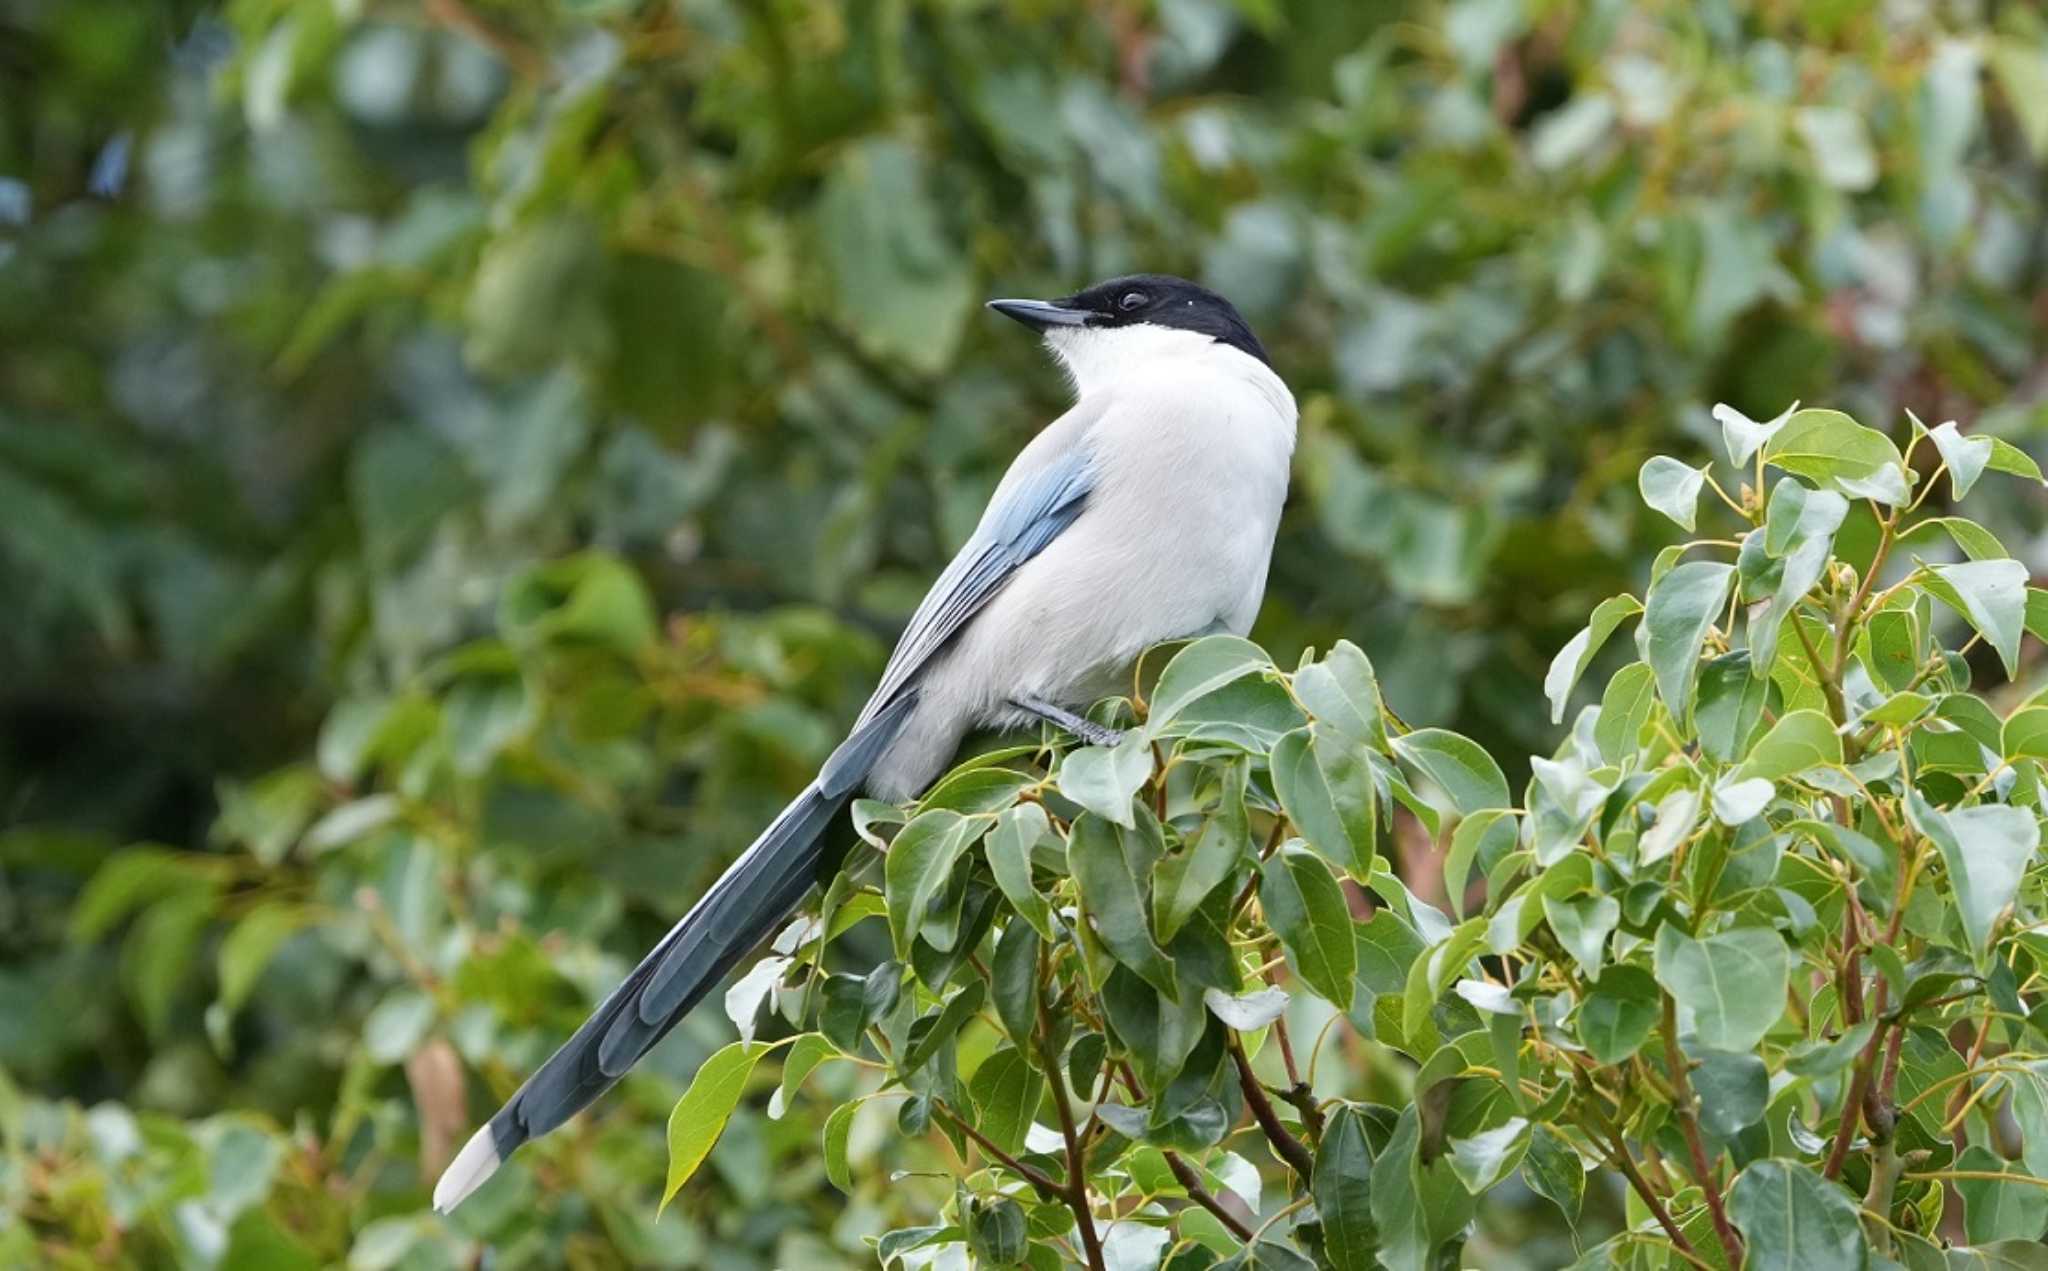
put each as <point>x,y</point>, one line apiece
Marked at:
<point>1146,513</point>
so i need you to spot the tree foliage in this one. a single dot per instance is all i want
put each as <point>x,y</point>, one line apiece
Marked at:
<point>374,377</point>
<point>1761,937</point>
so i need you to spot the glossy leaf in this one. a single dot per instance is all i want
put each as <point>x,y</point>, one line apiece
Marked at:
<point>1308,912</point>
<point>1792,1219</point>
<point>1682,607</point>
<point>1733,983</point>
<point>1672,488</point>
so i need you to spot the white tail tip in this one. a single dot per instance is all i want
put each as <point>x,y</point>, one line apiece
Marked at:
<point>476,1162</point>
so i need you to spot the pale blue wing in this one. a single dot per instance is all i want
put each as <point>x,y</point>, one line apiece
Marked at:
<point>1028,512</point>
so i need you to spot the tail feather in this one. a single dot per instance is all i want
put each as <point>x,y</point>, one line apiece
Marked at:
<point>746,903</point>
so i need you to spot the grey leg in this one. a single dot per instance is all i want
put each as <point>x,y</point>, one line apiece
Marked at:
<point>1087,730</point>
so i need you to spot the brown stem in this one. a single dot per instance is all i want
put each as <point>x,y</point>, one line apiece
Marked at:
<point>1183,1171</point>
<point>1204,1197</point>
<point>1285,1145</point>
<point>1689,1122</point>
<point>1859,1083</point>
<point>1622,1161</point>
<point>1076,1190</point>
<point>1043,1183</point>
<point>1298,1093</point>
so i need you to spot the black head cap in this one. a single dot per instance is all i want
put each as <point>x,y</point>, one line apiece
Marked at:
<point>1159,299</point>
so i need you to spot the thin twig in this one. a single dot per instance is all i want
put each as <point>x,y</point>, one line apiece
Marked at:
<point>1076,1190</point>
<point>1047,1187</point>
<point>1284,1144</point>
<point>1689,1122</point>
<point>1204,1197</point>
<point>1622,1161</point>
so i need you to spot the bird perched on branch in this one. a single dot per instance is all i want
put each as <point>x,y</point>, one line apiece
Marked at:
<point>1144,514</point>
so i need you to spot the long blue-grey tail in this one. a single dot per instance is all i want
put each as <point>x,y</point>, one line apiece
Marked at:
<point>746,903</point>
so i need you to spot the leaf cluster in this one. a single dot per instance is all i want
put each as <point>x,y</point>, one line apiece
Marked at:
<point>1762,938</point>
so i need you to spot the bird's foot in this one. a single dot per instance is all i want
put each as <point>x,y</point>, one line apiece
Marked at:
<point>1086,729</point>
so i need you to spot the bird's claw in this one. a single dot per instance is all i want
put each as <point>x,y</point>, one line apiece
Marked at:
<point>1087,730</point>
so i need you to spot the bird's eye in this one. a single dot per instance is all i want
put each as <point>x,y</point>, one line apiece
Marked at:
<point>1132,301</point>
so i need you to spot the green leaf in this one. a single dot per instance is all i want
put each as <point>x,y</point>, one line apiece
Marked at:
<point>1624,709</point>
<point>1732,1088</point>
<point>1672,488</point>
<point>1009,846</point>
<point>1327,791</point>
<point>1733,982</point>
<point>1986,850</point>
<point>1582,925</point>
<point>952,1017</point>
<point>997,1232</point>
<point>1554,1171</point>
<point>1467,775</point>
<point>1975,541</point>
<point>1798,573</point>
<point>1013,977</point>
<point>1108,862</point>
<point>1992,594</point>
<point>1798,741</point>
<point>1578,653</point>
<point>1443,963</point>
<point>1682,608</point>
<point>1797,513</point>
<point>1729,704</point>
<point>1899,708</point>
<point>985,788</point>
<point>1006,1091</point>
<point>1494,828</point>
<point>700,1115</point>
<point>1343,692</point>
<point>2008,458</point>
<point>1792,1219</point>
<point>1343,1191</point>
<point>1744,436</point>
<point>919,862</point>
<point>809,1050</point>
<point>1223,841</point>
<point>1617,1016</point>
<point>1483,1159</point>
<point>1307,910</point>
<point>250,944</point>
<point>1249,1012</point>
<point>1678,814</point>
<point>1738,800</point>
<point>1198,670</point>
<point>1828,447</point>
<point>1416,1207</point>
<point>1965,457</point>
<point>2025,734</point>
<point>1103,779</point>
<point>838,1128</point>
<point>1994,1210</point>
<point>1825,1058</point>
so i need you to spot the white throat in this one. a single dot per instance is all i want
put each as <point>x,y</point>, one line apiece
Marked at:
<point>1096,358</point>
<point>1100,359</point>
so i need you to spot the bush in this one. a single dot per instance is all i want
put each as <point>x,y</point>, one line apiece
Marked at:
<point>1761,937</point>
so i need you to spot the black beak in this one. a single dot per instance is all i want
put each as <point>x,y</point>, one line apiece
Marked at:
<point>1040,314</point>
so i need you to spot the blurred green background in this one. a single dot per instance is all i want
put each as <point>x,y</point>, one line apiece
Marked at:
<point>461,462</point>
